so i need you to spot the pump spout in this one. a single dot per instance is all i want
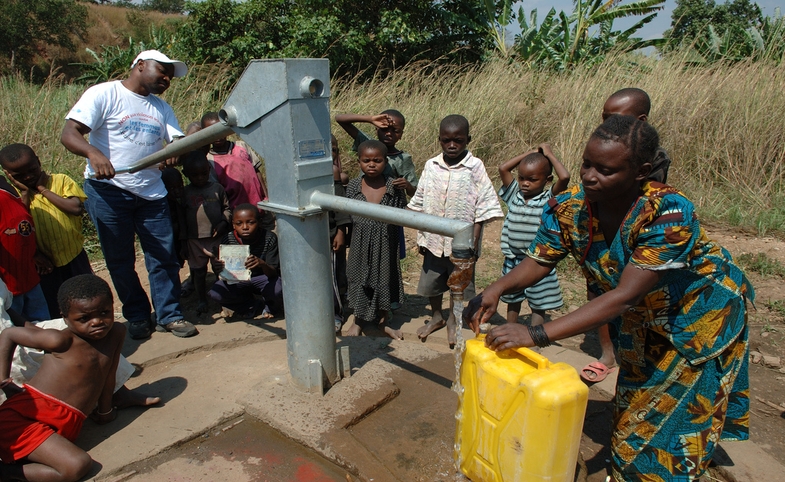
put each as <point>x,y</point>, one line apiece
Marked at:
<point>463,260</point>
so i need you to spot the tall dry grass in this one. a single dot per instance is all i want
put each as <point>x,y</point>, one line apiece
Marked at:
<point>720,125</point>
<point>35,114</point>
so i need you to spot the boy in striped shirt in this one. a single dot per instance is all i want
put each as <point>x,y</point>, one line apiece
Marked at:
<point>55,202</point>
<point>525,198</point>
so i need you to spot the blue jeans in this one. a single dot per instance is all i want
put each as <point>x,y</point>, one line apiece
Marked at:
<point>118,215</point>
<point>31,305</point>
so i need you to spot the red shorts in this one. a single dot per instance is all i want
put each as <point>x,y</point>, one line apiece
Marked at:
<point>29,418</point>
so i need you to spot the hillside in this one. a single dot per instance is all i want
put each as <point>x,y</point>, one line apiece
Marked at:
<point>108,25</point>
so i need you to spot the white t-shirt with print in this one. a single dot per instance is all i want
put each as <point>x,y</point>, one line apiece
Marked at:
<point>127,127</point>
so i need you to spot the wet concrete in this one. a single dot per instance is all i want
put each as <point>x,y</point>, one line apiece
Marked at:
<point>413,434</point>
<point>393,420</point>
<point>242,450</point>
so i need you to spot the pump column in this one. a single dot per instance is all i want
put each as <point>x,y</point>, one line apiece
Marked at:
<point>281,109</point>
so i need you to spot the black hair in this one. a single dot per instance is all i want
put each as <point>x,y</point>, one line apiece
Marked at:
<point>171,174</point>
<point>374,145</point>
<point>537,158</point>
<point>14,152</point>
<point>455,121</point>
<point>397,114</point>
<point>81,287</point>
<point>210,116</point>
<point>247,207</point>
<point>638,136</point>
<point>193,159</point>
<point>640,99</point>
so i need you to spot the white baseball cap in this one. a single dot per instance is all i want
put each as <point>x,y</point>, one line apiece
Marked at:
<point>180,69</point>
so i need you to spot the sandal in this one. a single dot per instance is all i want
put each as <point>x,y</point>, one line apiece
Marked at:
<point>599,369</point>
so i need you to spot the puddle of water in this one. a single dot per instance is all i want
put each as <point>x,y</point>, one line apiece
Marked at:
<point>240,450</point>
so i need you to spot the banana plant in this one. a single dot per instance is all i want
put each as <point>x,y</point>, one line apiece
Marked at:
<point>586,35</point>
<point>499,16</point>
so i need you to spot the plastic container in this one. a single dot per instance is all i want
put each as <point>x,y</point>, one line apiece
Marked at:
<point>519,418</point>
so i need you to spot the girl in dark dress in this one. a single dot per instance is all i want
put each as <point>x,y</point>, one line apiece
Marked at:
<point>373,269</point>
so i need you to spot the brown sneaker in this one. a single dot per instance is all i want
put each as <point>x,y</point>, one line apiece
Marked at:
<point>180,328</point>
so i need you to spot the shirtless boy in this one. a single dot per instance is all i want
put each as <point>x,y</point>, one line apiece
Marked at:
<point>41,420</point>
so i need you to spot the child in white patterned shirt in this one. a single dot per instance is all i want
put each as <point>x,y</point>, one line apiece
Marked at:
<point>454,185</point>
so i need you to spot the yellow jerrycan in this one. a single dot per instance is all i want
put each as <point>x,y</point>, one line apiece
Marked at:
<point>519,418</point>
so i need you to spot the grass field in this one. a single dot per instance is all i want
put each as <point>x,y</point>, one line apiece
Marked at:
<point>720,125</point>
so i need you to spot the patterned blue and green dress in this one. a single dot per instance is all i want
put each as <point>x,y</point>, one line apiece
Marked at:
<point>683,383</point>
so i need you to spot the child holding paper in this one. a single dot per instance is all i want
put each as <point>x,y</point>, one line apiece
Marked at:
<point>265,279</point>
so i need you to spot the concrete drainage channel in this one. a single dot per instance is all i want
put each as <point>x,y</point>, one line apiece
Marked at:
<point>242,449</point>
<point>392,420</point>
<point>401,427</point>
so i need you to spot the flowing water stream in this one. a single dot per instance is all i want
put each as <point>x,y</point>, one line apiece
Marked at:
<point>458,281</point>
<point>457,387</point>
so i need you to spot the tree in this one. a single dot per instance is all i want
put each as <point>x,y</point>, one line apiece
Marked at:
<point>164,6</point>
<point>691,20</point>
<point>499,15</point>
<point>27,26</point>
<point>224,31</point>
<point>356,36</point>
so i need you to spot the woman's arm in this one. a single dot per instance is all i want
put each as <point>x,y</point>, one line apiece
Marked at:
<point>483,306</point>
<point>635,283</point>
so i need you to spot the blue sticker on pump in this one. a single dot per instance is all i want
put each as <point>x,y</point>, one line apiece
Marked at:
<point>311,148</point>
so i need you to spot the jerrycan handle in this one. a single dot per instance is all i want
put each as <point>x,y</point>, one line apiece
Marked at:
<point>538,360</point>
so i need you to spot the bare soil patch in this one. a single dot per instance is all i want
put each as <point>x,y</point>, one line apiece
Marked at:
<point>766,322</point>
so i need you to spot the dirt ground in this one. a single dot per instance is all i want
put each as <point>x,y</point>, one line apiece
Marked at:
<point>766,322</point>
<point>767,335</point>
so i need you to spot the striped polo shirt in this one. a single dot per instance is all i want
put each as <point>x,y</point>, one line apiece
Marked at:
<point>522,221</point>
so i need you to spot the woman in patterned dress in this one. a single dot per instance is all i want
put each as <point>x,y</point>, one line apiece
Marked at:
<point>673,298</point>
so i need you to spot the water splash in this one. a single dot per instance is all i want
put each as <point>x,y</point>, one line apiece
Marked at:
<point>458,281</point>
<point>457,387</point>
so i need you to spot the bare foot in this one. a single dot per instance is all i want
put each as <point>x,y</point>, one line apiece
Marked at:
<point>124,398</point>
<point>267,315</point>
<point>436,323</point>
<point>452,336</point>
<point>354,330</point>
<point>391,332</point>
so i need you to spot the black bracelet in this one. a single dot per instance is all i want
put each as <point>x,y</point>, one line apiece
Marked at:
<point>538,335</point>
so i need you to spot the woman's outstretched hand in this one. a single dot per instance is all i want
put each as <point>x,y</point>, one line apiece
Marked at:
<point>509,335</point>
<point>480,309</point>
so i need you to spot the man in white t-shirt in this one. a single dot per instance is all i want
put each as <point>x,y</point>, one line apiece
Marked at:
<point>126,121</point>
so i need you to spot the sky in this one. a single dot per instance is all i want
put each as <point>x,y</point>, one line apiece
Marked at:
<point>653,29</point>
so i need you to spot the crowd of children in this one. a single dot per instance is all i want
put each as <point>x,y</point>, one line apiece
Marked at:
<point>46,270</point>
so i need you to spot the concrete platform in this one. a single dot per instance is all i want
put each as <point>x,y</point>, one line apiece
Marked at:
<point>392,420</point>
